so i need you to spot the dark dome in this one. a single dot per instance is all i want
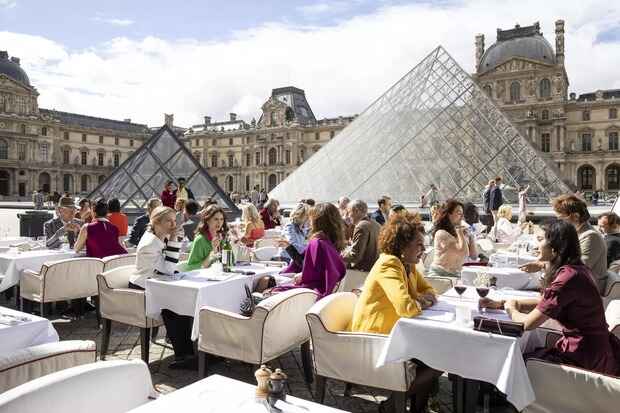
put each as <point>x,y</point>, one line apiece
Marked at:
<point>531,47</point>
<point>12,69</point>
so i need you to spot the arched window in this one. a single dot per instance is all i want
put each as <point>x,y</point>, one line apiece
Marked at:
<point>586,142</point>
<point>4,149</point>
<point>5,183</point>
<point>544,115</point>
<point>585,115</point>
<point>545,88</point>
<point>273,156</point>
<point>613,141</point>
<point>515,92</point>
<point>214,160</point>
<point>585,177</point>
<point>44,181</point>
<point>488,90</point>
<point>230,183</point>
<point>100,179</point>
<point>257,158</point>
<point>272,181</point>
<point>67,183</point>
<point>612,177</point>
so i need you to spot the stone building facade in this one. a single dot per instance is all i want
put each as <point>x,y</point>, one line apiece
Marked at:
<point>527,78</point>
<point>53,150</point>
<point>240,155</point>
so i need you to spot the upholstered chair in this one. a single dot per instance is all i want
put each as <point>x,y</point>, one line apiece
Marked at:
<point>115,261</point>
<point>353,280</point>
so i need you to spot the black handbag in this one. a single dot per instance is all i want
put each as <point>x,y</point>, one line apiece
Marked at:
<point>502,327</point>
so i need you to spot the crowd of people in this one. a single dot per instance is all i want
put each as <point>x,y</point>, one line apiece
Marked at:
<point>320,241</point>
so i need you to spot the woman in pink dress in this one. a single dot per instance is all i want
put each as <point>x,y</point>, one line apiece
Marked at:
<point>100,237</point>
<point>571,297</point>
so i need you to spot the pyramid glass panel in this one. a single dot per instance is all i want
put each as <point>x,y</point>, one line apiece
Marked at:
<point>161,159</point>
<point>434,126</point>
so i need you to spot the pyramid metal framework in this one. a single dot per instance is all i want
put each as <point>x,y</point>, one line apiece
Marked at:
<point>434,126</point>
<point>160,159</point>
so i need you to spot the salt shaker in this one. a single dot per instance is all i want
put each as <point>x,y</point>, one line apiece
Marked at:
<point>277,387</point>
<point>262,378</point>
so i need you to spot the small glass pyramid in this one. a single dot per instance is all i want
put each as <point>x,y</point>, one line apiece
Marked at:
<point>162,158</point>
<point>434,126</point>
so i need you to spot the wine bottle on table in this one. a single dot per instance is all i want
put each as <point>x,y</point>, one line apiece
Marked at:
<point>227,256</point>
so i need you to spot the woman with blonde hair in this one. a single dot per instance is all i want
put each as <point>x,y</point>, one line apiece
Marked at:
<point>254,227</point>
<point>506,232</point>
<point>294,232</point>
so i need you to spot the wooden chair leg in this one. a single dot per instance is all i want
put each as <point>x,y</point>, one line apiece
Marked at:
<point>202,364</point>
<point>105,338</point>
<point>400,402</point>
<point>306,361</point>
<point>97,310</point>
<point>321,381</point>
<point>145,340</point>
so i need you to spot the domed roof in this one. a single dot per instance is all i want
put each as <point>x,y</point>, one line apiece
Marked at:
<point>526,42</point>
<point>12,69</point>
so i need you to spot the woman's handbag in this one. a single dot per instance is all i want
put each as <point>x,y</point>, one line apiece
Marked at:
<point>502,327</point>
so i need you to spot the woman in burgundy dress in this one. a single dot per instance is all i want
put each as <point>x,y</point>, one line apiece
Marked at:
<point>100,237</point>
<point>571,297</point>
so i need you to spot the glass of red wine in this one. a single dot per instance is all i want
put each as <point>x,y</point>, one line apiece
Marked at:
<point>483,291</point>
<point>460,288</point>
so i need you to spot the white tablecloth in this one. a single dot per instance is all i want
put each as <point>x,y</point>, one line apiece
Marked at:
<point>187,296</point>
<point>219,394</point>
<point>506,277</point>
<point>448,346</point>
<point>6,242</point>
<point>12,263</point>
<point>510,259</point>
<point>24,334</point>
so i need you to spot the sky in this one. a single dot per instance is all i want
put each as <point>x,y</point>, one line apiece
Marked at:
<point>140,59</point>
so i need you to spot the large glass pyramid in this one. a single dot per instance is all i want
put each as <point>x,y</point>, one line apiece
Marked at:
<point>162,158</point>
<point>434,126</point>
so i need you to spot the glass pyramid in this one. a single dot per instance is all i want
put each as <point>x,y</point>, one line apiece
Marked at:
<point>434,126</point>
<point>162,158</point>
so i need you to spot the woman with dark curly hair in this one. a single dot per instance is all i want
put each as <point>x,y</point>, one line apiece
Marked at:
<point>321,265</point>
<point>211,238</point>
<point>394,289</point>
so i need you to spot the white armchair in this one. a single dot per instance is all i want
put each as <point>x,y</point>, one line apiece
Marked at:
<point>352,357</point>
<point>115,261</point>
<point>121,304</point>
<point>60,280</point>
<point>612,289</point>
<point>612,316</point>
<point>566,389</point>
<point>104,387</point>
<point>353,279</point>
<point>276,327</point>
<point>37,361</point>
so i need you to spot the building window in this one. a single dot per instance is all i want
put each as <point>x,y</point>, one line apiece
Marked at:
<point>231,161</point>
<point>488,90</point>
<point>586,177</point>
<point>545,142</point>
<point>65,135</point>
<point>84,156</point>
<point>214,142</point>
<point>545,88</point>
<point>613,113</point>
<point>4,149</point>
<point>100,158</point>
<point>44,151</point>
<point>65,157</point>
<point>515,92</point>
<point>613,177</point>
<point>613,141</point>
<point>21,151</point>
<point>544,114</point>
<point>117,159</point>
<point>84,183</point>
<point>247,183</point>
<point>197,143</point>
<point>83,137</point>
<point>214,160</point>
<point>44,131</point>
<point>316,136</point>
<point>287,157</point>
<point>257,158</point>
<point>585,115</point>
<point>230,142</point>
<point>23,129</point>
<point>248,159</point>
<point>131,142</point>
<point>67,183</point>
<point>273,156</point>
<point>116,140</point>
<point>586,142</point>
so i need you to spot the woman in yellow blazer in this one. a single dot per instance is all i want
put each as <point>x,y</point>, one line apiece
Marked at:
<point>394,289</point>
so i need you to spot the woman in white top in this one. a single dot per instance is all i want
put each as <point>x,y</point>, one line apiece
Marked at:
<point>507,232</point>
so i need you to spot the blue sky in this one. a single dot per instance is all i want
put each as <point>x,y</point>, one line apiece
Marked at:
<point>139,59</point>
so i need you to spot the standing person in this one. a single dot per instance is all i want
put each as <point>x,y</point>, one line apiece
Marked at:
<point>609,224</point>
<point>64,224</point>
<point>85,214</point>
<point>432,195</point>
<point>262,198</point>
<point>364,249</point>
<point>423,201</point>
<point>37,199</point>
<point>343,206</point>
<point>523,203</point>
<point>168,197</point>
<point>211,238</point>
<point>183,192</point>
<point>595,197</point>
<point>100,237</point>
<point>381,214</point>
<point>192,219</point>
<point>117,218</point>
<point>255,196</point>
<point>270,214</point>
<point>140,224</point>
<point>179,207</point>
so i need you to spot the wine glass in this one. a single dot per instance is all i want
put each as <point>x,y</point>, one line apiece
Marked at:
<point>460,288</point>
<point>482,288</point>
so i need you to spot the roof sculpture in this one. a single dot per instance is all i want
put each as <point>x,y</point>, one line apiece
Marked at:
<point>434,126</point>
<point>160,159</point>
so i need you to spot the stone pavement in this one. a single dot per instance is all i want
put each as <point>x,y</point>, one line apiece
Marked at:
<point>125,345</point>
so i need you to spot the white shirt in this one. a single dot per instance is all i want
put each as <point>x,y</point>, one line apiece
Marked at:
<point>150,257</point>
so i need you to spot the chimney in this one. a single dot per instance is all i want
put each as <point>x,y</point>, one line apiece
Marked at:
<point>169,119</point>
<point>479,49</point>
<point>233,117</point>
<point>207,120</point>
<point>559,41</point>
<point>4,54</point>
<point>127,120</point>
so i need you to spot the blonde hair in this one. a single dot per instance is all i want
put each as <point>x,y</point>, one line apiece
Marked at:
<point>152,204</point>
<point>158,215</point>
<point>300,213</point>
<point>181,202</point>
<point>505,211</point>
<point>249,214</point>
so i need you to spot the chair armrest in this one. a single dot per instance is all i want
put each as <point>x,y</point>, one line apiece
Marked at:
<point>30,284</point>
<point>124,305</point>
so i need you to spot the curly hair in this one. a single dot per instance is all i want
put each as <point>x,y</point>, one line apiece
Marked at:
<point>443,220</point>
<point>398,232</point>
<point>570,204</point>
<point>207,214</point>
<point>325,220</point>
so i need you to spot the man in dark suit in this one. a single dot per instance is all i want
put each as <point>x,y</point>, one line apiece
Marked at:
<point>192,219</point>
<point>364,249</point>
<point>64,224</point>
<point>140,224</point>
<point>382,213</point>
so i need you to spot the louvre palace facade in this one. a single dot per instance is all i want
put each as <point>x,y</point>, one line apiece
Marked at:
<point>527,78</point>
<point>53,150</point>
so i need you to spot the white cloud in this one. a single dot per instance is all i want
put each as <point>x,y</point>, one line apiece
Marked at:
<point>342,68</point>
<point>326,7</point>
<point>7,4</point>
<point>114,22</point>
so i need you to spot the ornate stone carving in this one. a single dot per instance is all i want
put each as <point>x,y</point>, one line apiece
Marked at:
<point>557,83</point>
<point>531,87</point>
<point>501,89</point>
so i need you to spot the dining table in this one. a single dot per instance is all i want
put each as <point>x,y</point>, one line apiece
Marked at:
<point>505,277</point>
<point>14,261</point>
<point>19,330</point>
